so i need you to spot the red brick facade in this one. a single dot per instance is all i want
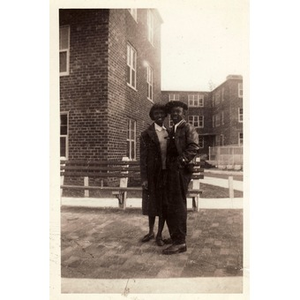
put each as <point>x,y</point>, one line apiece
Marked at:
<point>222,125</point>
<point>95,93</point>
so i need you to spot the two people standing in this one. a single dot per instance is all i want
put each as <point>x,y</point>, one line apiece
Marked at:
<point>173,153</point>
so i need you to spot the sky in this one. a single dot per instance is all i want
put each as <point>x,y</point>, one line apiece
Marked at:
<point>202,42</point>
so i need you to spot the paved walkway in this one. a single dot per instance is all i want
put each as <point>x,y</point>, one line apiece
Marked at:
<point>101,252</point>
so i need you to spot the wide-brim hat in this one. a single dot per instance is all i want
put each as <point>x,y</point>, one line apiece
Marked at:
<point>172,104</point>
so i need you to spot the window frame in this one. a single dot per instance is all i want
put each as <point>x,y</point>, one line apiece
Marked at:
<point>240,139</point>
<point>150,26</point>
<point>198,102</point>
<point>175,98</point>
<point>240,90</point>
<point>198,119</point>
<point>66,136</point>
<point>218,120</point>
<point>222,94</point>
<point>150,77</point>
<point>131,141</point>
<point>131,64</point>
<point>67,50</point>
<point>240,115</point>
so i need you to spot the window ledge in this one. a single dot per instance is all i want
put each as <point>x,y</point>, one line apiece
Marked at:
<point>133,88</point>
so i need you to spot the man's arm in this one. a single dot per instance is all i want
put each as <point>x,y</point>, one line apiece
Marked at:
<point>192,146</point>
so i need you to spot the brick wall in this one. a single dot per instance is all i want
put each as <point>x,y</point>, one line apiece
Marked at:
<point>83,93</point>
<point>95,93</point>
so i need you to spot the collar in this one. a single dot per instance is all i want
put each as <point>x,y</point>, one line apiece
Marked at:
<point>159,128</point>
<point>176,125</point>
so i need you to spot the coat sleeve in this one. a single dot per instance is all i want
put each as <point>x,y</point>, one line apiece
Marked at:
<point>192,147</point>
<point>143,158</point>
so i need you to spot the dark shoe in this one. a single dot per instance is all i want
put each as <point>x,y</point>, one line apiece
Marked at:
<point>148,237</point>
<point>175,249</point>
<point>167,241</point>
<point>159,241</point>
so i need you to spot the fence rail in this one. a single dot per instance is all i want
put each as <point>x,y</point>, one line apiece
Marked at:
<point>226,157</point>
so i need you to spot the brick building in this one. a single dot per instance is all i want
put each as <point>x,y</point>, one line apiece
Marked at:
<point>227,112</point>
<point>217,115</point>
<point>110,64</point>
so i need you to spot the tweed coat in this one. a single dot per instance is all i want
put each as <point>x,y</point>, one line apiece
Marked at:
<point>151,170</point>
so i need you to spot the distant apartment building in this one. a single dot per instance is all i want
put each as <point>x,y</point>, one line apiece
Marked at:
<point>227,112</point>
<point>216,115</point>
<point>110,76</point>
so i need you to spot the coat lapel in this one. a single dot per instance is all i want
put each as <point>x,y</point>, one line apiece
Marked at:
<point>151,132</point>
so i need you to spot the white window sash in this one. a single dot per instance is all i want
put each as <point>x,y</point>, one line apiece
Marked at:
<point>240,90</point>
<point>66,136</point>
<point>150,83</point>
<point>63,48</point>
<point>131,63</point>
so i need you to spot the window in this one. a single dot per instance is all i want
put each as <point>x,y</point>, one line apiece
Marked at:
<point>240,115</point>
<point>131,139</point>
<point>64,124</point>
<point>213,121</point>
<point>223,93</point>
<point>196,100</point>
<point>240,90</point>
<point>201,142</point>
<point>133,12</point>
<point>222,118</point>
<point>217,120</point>
<point>131,66</point>
<point>197,121</point>
<point>150,83</point>
<point>221,140</point>
<point>173,97</point>
<point>64,50</point>
<point>150,25</point>
<point>240,139</point>
<point>217,98</point>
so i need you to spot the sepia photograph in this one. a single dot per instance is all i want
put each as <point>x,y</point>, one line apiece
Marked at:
<point>151,191</point>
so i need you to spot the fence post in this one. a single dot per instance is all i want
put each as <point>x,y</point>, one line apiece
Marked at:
<point>230,186</point>
<point>86,183</point>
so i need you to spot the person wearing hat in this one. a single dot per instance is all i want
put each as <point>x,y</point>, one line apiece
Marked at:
<point>181,150</point>
<point>153,149</point>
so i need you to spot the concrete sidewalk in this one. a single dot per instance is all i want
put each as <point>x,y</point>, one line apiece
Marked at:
<point>205,203</point>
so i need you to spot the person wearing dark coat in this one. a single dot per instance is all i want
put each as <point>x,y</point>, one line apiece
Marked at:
<point>153,147</point>
<point>181,151</point>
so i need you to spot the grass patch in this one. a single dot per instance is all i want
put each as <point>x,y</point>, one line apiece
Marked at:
<point>238,177</point>
<point>212,191</point>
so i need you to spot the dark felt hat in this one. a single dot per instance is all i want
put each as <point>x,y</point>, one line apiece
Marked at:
<point>172,104</point>
<point>155,107</point>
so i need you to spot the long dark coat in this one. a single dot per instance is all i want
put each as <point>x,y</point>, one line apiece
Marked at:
<point>151,170</point>
<point>181,145</point>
